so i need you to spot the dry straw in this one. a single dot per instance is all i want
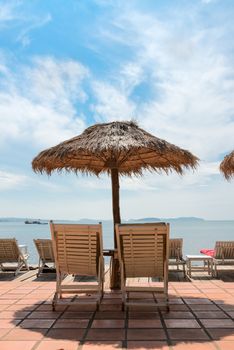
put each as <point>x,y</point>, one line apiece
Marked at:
<point>117,145</point>
<point>227,166</point>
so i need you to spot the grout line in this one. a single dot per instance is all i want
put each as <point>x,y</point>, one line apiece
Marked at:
<point>125,341</point>
<point>82,341</point>
<point>200,323</point>
<point>163,323</point>
<point>217,305</point>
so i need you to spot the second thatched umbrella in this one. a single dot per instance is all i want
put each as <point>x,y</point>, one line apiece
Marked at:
<point>117,148</point>
<point>227,166</point>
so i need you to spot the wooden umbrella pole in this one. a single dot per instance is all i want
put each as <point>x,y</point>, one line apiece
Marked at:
<point>115,276</point>
<point>115,199</point>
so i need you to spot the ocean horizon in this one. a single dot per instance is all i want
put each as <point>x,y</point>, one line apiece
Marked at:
<point>197,233</point>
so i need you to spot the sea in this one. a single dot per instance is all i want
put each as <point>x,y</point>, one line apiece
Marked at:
<point>196,233</point>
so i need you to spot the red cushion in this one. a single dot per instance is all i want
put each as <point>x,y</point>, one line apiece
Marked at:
<point>210,252</point>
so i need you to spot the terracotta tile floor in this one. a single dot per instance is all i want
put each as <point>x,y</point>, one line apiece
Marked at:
<point>201,317</point>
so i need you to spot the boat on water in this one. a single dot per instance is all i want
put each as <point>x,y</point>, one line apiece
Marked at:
<point>35,222</point>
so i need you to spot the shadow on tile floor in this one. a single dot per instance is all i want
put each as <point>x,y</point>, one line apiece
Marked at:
<point>200,317</point>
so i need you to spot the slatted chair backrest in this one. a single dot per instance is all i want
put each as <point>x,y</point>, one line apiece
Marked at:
<point>45,249</point>
<point>176,248</point>
<point>224,250</point>
<point>143,249</point>
<point>9,250</point>
<point>77,248</point>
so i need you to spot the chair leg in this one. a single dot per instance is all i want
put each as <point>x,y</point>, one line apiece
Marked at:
<point>19,267</point>
<point>54,302</point>
<point>184,270</point>
<point>39,268</point>
<point>26,264</point>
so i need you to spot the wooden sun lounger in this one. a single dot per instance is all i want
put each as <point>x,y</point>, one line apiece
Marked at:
<point>176,253</point>
<point>78,250</point>
<point>11,253</point>
<point>224,253</point>
<point>46,255</point>
<point>143,252</point>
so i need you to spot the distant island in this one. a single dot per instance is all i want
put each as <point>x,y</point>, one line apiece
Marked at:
<point>186,218</point>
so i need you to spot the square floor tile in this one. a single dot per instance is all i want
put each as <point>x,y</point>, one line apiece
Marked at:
<point>13,314</point>
<point>178,314</point>
<point>225,344</point>
<point>108,324</point>
<point>216,323</point>
<point>102,345</point>
<point>134,323</point>
<point>65,334</point>
<point>58,345</point>
<point>4,331</point>
<point>148,315</point>
<point>187,334</point>
<point>109,315</point>
<point>197,301</point>
<point>45,314</point>
<point>221,334</point>
<point>103,334</point>
<point>205,307</point>
<point>69,323</point>
<point>147,345</point>
<point>25,334</point>
<point>180,323</point>
<point>209,345</point>
<point>36,323</point>
<point>146,334</point>
<point>210,314</point>
<point>8,323</point>
<point>19,345</point>
<point>77,314</point>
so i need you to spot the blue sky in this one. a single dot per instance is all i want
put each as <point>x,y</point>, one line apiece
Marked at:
<point>65,65</point>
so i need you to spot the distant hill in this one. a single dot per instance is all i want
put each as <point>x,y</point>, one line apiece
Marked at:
<point>94,221</point>
<point>166,219</point>
<point>145,220</point>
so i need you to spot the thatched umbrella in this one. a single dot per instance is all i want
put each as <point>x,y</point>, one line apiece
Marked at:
<point>117,148</point>
<point>227,166</point>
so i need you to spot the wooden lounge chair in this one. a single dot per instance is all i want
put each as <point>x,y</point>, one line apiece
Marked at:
<point>46,254</point>
<point>176,253</point>
<point>223,254</point>
<point>143,252</point>
<point>78,251</point>
<point>11,253</point>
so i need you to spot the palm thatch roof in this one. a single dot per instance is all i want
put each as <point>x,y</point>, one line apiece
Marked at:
<point>120,145</point>
<point>227,166</point>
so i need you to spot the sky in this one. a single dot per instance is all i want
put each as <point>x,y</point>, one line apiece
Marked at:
<point>65,65</point>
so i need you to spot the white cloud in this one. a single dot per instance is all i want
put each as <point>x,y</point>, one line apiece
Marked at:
<point>12,14</point>
<point>10,181</point>
<point>37,102</point>
<point>34,23</point>
<point>207,1</point>
<point>188,71</point>
<point>112,103</point>
<point>7,11</point>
